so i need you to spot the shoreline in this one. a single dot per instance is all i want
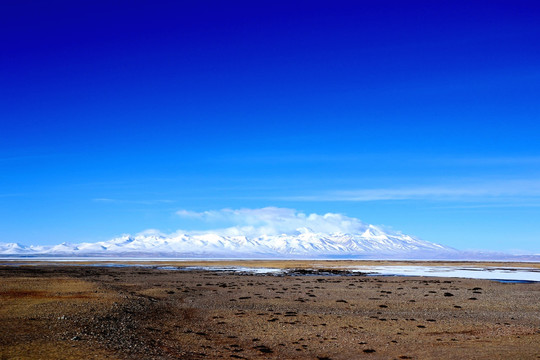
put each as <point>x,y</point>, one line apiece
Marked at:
<point>279,263</point>
<point>502,272</point>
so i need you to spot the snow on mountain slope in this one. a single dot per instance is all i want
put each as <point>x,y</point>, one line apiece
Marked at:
<point>12,248</point>
<point>304,243</point>
<point>256,233</point>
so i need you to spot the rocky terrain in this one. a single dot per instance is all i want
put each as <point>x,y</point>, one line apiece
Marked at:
<point>94,312</point>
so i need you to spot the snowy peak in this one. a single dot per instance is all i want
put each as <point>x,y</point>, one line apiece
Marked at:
<point>304,243</point>
<point>12,248</point>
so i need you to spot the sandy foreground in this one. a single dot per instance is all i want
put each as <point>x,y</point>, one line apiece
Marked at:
<point>93,312</point>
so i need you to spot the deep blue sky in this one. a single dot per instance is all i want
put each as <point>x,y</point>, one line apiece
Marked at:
<point>419,115</point>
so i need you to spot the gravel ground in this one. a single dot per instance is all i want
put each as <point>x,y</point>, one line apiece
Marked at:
<point>68,312</point>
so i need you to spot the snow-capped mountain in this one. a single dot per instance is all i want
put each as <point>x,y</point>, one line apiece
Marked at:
<point>302,243</point>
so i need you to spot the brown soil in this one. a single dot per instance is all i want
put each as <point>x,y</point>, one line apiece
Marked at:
<point>77,312</point>
<point>287,264</point>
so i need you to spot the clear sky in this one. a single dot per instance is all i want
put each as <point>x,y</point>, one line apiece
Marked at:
<point>419,115</point>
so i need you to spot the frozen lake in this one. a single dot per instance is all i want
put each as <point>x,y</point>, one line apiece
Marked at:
<point>500,273</point>
<point>495,273</point>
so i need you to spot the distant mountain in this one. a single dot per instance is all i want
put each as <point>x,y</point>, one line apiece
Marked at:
<point>371,242</point>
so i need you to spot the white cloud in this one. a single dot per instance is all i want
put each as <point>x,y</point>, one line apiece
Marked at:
<point>275,221</point>
<point>152,232</point>
<point>139,202</point>
<point>104,200</point>
<point>189,214</point>
<point>506,191</point>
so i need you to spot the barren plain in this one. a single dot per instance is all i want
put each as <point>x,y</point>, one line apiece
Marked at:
<point>50,311</point>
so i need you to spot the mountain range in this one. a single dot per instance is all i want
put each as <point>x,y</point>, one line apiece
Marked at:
<point>372,242</point>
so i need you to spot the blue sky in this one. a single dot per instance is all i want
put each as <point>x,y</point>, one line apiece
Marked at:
<point>418,115</point>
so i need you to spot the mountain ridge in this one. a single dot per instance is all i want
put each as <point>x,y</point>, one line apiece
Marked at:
<point>303,243</point>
